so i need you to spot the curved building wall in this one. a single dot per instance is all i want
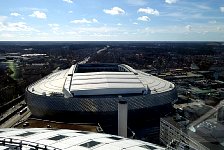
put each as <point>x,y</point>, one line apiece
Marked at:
<point>41,105</point>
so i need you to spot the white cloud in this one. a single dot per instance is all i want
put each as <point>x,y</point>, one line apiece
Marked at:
<point>178,29</point>
<point>15,14</point>
<point>102,35</point>
<point>203,7</point>
<point>144,18</point>
<point>3,18</point>
<point>68,1</point>
<point>43,34</point>
<point>149,11</point>
<point>84,21</point>
<point>135,23</point>
<point>188,27</point>
<point>39,14</point>
<point>212,22</point>
<point>170,1</point>
<point>222,9</point>
<point>119,24</point>
<point>18,26</point>
<point>175,14</point>
<point>94,20</point>
<point>114,11</point>
<point>7,35</point>
<point>70,12</point>
<point>96,30</point>
<point>54,26</point>
<point>25,9</point>
<point>81,21</point>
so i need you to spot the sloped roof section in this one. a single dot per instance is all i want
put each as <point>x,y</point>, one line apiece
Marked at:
<point>63,139</point>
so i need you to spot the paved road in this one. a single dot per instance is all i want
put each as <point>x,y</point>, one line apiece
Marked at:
<point>12,109</point>
<point>101,50</point>
<point>85,60</point>
<point>16,118</point>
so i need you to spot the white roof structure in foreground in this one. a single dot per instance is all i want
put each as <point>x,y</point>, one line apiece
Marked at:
<point>125,80</point>
<point>63,139</point>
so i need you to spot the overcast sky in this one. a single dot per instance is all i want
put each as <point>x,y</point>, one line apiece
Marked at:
<point>112,20</point>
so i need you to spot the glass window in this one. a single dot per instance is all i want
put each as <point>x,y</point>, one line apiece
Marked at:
<point>26,134</point>
<point>83,132</point>
<point>58,137</point>
<point>90,144</point>
<point>115,138</point>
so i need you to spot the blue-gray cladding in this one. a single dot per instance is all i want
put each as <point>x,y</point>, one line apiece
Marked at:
<point>47,104</point>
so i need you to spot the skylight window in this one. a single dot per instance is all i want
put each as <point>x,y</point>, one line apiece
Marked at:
<point>83,132</point>
<point>58,137</point>
<point>115,138</point>
<point>90,144</point>
<point>26,134</point>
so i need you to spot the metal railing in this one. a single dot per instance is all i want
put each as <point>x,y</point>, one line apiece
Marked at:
<point>16,143</point>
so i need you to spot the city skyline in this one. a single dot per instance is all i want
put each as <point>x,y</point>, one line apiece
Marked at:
<point>126,20</point>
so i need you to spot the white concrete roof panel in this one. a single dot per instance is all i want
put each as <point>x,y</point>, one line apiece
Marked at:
<point>125,143</point>
<point>71,142</point>
<point>105,80</point>
<point>103,73</point>
<point>108,147</point>
<point>77,148</point>
<point>107,85</point>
